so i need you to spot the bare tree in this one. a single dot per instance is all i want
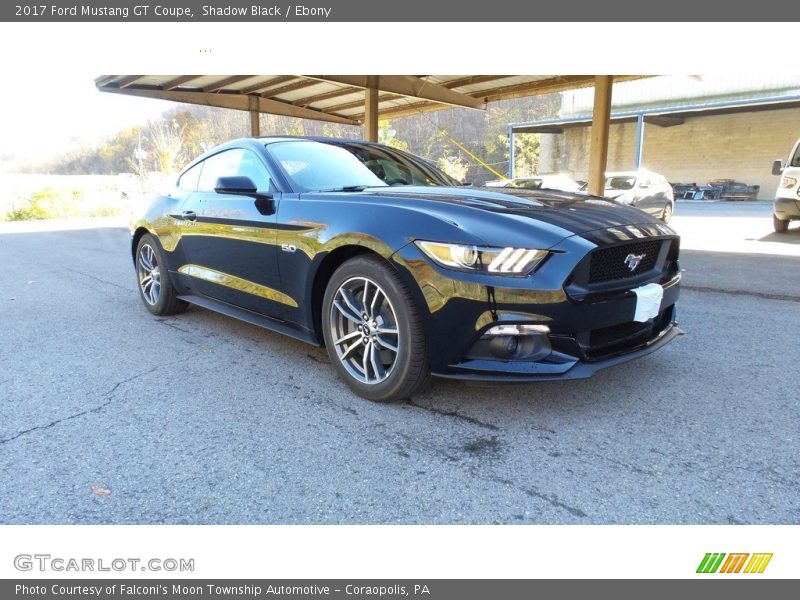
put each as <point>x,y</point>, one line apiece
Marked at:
<point>166,138</point>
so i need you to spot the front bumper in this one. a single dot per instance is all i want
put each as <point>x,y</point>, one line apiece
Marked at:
<point>522,372</point>
<point>589,326</point>
<point>787,209</point>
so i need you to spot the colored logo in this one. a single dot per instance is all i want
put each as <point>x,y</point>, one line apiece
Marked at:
<point>719,562</point>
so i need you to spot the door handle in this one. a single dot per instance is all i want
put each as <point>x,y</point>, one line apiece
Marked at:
<point>189,215</point>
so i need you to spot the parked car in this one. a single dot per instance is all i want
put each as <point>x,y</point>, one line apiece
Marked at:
<point>786,207</point>
<point>644,190</point>
<point>399,282</point>
<point>545,182</point>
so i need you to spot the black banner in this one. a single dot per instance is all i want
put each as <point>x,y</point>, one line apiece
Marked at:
<point>387,589</point>
<point>496,11</point>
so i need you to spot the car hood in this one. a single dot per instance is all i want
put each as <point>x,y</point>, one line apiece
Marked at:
<point>513,217</point>
<point>574,212</point>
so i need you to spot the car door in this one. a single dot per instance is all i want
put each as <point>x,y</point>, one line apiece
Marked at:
<point>229,239</point>
<point>646,193</point>
<point>665,195</point>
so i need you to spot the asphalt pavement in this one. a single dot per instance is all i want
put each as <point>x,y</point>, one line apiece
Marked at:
<point>111,415</point>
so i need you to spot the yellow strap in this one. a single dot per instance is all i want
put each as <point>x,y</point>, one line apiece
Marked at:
<point>480,161</point>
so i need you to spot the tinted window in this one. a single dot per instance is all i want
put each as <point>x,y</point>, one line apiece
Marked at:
<point>233,162</point>
<point>313,166</point>
<point>398,168</point>
<point>252,167</point>
<point>188,181</point>
<point>620,183</point>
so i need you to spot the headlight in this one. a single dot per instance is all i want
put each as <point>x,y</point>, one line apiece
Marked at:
<point>788,182</point>
<point>502,261</point>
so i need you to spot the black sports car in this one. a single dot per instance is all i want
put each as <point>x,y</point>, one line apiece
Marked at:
<point>400,272</point>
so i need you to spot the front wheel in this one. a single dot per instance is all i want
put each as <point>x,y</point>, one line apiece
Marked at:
<point>779,225</point>
<point>155,288</point>
<point>667,214</point>
<point>373,331</point>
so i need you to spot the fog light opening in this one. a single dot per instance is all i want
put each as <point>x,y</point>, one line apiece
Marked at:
<point>520,347</point>
<point>512,345</point>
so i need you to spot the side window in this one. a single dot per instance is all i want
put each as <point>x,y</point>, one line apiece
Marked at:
<point>253,168</point>
<point>234,162</point>
<point>223,164</point>
<point>188,181</point>
<point>644,182</point>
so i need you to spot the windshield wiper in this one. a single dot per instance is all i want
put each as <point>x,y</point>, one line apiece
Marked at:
<point>348,188</point>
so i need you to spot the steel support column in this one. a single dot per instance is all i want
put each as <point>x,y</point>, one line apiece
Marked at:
<point>371,109</point>
<point>601,119</point>
<point>639,141</point>
<point>510,152</point>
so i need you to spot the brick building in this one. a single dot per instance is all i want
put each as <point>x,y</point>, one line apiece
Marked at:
<point>692,129</point>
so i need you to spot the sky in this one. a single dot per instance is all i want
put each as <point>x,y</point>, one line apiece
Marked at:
<point>79,114</point>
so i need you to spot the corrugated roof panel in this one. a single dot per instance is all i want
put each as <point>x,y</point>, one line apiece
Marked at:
<point>675,89</point>
<point>313,89</point>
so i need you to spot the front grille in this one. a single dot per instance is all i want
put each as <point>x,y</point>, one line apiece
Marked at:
<point>609,264</point>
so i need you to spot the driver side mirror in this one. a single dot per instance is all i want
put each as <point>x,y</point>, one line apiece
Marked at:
<point>236,185</point>
<point>240,185</point>
<point>777,167</point>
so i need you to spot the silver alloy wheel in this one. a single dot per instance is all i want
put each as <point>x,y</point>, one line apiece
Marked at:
<point>364,330</point>
<point>149,274</point>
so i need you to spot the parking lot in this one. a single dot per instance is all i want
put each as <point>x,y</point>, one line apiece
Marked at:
<point>110,415</point>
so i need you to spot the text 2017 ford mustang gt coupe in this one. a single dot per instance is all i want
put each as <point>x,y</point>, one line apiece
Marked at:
<point>402,274</point>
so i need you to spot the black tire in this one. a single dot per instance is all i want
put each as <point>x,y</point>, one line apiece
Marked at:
<point>779,225</point>
<point>667,214</point>
<point>152,278</point>
<point>365,301</point>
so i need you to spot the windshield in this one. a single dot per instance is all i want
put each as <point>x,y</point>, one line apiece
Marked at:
<point>395,167</point>
<point>314,167</point>
<point>795,162</point>
<point>620,183</point>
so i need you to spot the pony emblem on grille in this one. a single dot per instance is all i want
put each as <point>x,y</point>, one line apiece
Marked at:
<point>633,260</point>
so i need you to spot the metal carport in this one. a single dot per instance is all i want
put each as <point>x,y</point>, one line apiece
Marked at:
<point>363,99</point>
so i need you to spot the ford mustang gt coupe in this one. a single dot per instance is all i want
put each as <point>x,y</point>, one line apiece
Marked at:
<point>400,272</point>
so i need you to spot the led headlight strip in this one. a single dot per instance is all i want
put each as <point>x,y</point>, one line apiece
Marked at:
<point>502,261</point>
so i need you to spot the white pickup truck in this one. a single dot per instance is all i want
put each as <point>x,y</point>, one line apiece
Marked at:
<point>787,198</point>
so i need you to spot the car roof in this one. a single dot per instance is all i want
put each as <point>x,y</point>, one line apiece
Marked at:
<point>270,139</point>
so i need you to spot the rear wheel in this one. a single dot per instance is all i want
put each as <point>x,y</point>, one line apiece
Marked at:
<point>373,331</point>
<point>155,288</point>
<point>780,225</point>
